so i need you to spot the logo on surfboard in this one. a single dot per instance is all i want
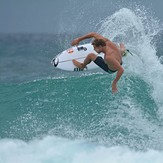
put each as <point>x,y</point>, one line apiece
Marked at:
<point>70,51</point>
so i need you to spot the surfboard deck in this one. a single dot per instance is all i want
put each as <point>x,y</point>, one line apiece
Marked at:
<point>64,59</point>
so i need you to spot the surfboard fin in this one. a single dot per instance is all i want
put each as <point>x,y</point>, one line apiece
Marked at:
<point>129,52</point>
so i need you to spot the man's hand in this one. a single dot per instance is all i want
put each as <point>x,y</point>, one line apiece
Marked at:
<point>114,87</point>
<point>75,42</point>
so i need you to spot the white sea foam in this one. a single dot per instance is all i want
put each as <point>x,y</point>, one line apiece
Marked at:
<point>61,150</point>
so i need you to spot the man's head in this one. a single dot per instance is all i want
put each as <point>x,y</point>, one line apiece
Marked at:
<point>98,45</point>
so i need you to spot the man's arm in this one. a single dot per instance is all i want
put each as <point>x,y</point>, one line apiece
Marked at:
<point>120,71</point>
<point>87,36</point>
<point>118,76</point>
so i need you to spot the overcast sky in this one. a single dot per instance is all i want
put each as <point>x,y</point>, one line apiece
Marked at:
<point>56,16</point>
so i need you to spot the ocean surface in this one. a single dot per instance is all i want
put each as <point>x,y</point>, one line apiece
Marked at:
<point>53,116</point>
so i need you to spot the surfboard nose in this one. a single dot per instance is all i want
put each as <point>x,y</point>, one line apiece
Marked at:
<point>55,61</point>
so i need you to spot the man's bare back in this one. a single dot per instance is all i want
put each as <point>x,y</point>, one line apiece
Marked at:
<point>113,53</point>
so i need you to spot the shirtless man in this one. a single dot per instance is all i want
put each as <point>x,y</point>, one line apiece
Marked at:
<point>112,56</point>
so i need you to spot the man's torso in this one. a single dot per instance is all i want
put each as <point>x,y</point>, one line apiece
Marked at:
<point>112,52</point>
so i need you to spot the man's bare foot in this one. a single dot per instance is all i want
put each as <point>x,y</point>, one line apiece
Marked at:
<point>123,49</point>
<point>78,64</point>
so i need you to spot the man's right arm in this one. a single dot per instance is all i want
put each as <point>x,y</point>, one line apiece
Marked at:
<point>87,36</point>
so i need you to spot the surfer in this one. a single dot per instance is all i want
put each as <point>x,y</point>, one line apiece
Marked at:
<point>112,61</point>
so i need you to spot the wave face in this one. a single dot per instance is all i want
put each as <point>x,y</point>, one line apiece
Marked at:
<point>69,117</point>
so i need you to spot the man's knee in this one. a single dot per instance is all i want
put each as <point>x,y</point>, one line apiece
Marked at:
<point>92,56</point>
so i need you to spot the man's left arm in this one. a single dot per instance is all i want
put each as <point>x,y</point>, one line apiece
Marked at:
<point>120,71</point>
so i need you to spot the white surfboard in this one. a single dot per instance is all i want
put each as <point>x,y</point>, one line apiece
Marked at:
<point>64,59</point>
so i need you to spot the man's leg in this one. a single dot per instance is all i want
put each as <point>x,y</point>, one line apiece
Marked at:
<point>90,57</point>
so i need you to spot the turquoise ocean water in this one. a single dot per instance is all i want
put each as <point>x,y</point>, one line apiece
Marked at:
<point>52,116</point>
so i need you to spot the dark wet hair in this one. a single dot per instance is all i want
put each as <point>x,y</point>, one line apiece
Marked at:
<point>98,42</point>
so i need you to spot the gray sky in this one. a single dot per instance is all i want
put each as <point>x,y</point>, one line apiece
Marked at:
<point>56,16</point>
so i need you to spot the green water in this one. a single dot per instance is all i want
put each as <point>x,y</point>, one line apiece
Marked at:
<point>79,107</point>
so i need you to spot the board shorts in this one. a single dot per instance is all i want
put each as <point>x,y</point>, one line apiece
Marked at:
<point>99,61</point>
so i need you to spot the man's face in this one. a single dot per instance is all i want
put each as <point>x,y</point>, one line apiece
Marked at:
<point>98,49</point>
